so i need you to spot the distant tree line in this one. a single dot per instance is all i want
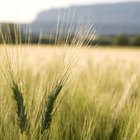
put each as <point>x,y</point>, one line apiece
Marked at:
<point>13,34</point>
<point>118,40</point>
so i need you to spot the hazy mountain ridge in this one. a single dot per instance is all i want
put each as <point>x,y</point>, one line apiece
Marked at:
<point>100,13</point>
<point>109,19</point>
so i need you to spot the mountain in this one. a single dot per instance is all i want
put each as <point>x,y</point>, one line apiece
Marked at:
<point>109,19</point>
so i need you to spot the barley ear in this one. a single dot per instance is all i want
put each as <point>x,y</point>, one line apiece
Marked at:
<point>48,109</point>
<point>20,108</point>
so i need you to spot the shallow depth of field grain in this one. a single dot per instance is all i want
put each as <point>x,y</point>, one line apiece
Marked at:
<point>100,99</point>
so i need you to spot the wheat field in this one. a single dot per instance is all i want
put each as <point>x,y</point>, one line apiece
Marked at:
<point>62,93</point>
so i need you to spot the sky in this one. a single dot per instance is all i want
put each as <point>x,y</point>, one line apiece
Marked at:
<point>27,10</point>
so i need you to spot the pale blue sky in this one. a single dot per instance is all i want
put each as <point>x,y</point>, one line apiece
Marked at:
<point>26,10</point>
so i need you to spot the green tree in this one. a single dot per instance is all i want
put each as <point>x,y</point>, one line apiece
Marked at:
<point>122,40</point>
<point>137,41</point>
